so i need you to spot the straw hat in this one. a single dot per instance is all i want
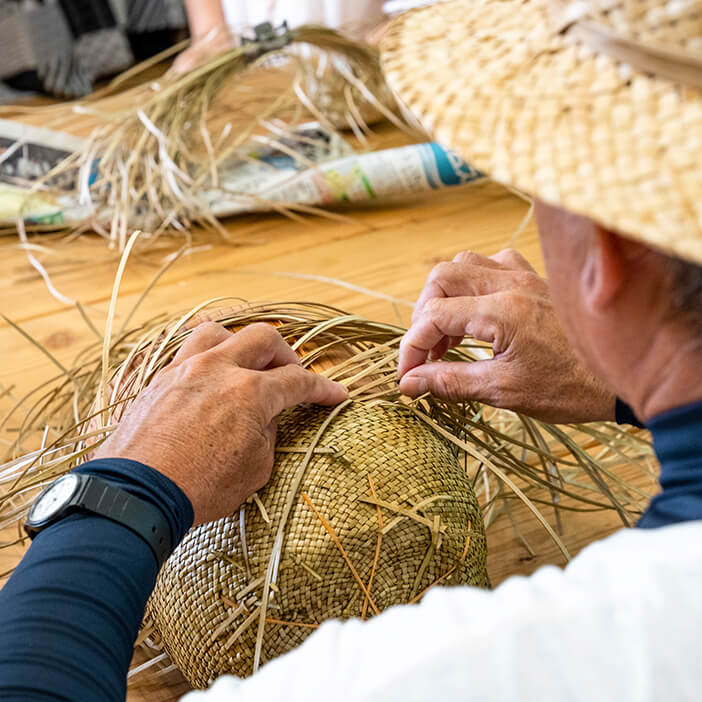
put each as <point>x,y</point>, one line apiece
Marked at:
<point>592,106</point>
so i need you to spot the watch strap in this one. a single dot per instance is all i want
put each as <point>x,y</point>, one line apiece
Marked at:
<point>103,498</point>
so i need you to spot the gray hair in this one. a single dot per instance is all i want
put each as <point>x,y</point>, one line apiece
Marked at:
<point>686,290</point>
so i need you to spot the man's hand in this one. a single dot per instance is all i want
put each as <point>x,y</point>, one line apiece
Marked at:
<point>208,419</point>
<point>217,40</point>
<point>500,300</point>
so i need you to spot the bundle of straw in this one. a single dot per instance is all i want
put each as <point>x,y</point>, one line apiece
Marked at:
<point>160,146</point>
<point>371,504</point>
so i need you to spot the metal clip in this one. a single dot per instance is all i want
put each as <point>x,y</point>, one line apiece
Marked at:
<point>268,38</point>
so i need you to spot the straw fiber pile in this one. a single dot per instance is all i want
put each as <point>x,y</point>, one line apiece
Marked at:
<point>162,154</point>
<point>207,600</point>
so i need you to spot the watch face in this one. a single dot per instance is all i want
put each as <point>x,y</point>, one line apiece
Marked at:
<point>53,499</point>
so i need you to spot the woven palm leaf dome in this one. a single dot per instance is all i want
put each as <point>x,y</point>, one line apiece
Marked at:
<point>367,507</point>
<point>206,605</point>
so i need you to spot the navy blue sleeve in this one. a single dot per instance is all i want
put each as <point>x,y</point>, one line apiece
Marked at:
<point>677,440</point>
<point>625,415</point>
<point>71,611</point>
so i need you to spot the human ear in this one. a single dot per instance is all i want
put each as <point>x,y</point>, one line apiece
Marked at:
<point>603,273</point>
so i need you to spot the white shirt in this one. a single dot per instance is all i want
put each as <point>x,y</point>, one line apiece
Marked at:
<point>332,13</point>
<point>340,14</point>
<point>623,622</point>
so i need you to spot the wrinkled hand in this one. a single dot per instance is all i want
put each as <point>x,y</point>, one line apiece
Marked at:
<point>500,300</point>
<point>208,419</point>
<point>216,41</point>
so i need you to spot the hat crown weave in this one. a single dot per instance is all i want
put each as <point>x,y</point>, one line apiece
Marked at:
<point>663,39</point>
<point>676,24</point>
<point>540,102</point>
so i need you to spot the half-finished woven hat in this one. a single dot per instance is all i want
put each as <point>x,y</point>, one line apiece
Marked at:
<point>367,507</point>
<point>593,106</point>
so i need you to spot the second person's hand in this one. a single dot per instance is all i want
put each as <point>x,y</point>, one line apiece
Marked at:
<point>500,300</point>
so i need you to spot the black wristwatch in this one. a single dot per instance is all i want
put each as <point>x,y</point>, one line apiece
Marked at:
<point>77,492</point>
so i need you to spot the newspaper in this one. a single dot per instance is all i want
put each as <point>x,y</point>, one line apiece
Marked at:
<point>353,178</point>
<point>310,166</point>
<point>27,154</point>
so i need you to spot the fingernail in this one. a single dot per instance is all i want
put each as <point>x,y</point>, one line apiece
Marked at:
<point>413,386</point>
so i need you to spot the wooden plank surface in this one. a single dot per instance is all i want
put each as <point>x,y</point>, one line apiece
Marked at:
<point>387,249</point>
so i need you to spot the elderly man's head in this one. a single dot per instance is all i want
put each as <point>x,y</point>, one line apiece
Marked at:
<point>625,307</point>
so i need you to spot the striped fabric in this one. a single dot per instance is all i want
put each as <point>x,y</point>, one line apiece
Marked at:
<point>63,46</point>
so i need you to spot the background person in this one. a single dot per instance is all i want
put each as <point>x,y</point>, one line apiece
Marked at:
<point>62,48</point>
<point>216,24</point>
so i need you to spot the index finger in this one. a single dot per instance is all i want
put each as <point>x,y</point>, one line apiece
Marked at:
<point>288,386</point>
<point>480,317</point>
<point>513,260</point>
<point>463,278</point>
<point>257,347</point>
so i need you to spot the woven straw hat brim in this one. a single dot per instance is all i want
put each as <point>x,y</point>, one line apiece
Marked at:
<point>538,111</point>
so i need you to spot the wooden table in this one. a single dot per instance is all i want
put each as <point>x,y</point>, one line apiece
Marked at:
<point>387,249</point>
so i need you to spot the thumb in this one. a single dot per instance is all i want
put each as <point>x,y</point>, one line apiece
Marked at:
<point>456,380</point>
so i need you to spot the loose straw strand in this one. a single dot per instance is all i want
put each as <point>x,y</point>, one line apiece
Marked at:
<point>107,341</point>
<point>449,572</point>
<point>378,544</point>
<point>330,530</point>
